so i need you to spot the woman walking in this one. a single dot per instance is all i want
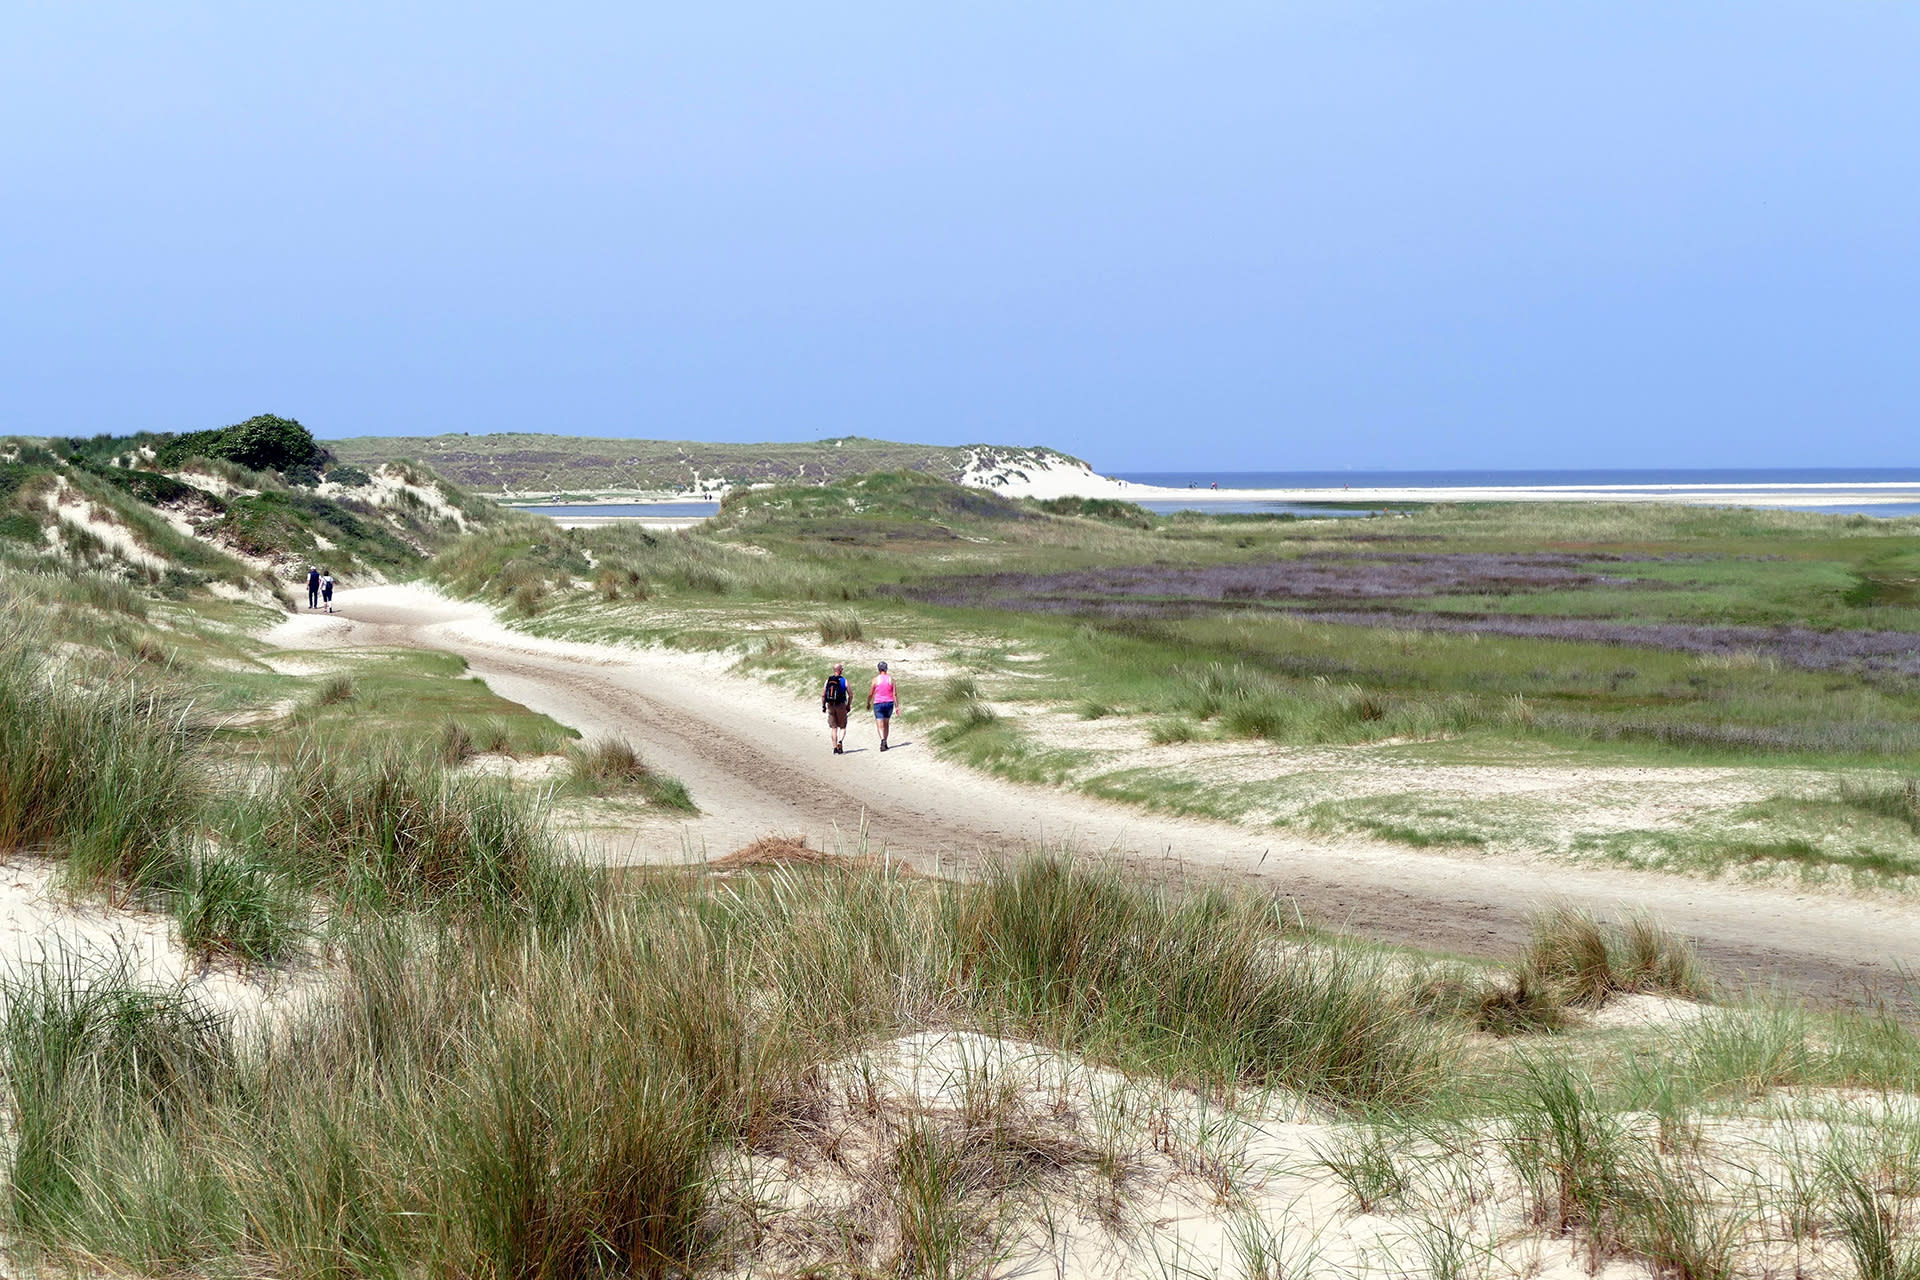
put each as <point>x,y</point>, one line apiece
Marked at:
<point>326,590</point>
<point>880,697</point>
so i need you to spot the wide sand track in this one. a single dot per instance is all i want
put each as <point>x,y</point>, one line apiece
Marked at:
<point>757,761</point>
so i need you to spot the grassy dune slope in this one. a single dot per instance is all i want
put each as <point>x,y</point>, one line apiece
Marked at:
<point>101,517</point>
<point>525,463</point>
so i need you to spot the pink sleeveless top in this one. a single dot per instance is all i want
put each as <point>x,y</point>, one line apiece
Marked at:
<point>883,688</point>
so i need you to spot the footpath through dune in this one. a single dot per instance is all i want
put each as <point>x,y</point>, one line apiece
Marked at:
<point>757,762</point>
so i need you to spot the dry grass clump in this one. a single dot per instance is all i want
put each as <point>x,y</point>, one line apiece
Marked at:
<point>334,690</point>
<point>456,743</point>
<point>1571,960</point>
<point>615,583</point>
<point>1507,1005</point>
<point>839,628</point>
<point>793,851</point>
<point>773,851</point>
<point>612,764</point>
<point>1588,961</point>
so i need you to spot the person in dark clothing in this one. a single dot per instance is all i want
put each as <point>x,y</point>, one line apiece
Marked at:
<point>313,588</point>
<point>835,700</point>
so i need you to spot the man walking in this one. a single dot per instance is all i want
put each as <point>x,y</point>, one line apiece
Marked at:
<point>313,587</point>
<point>880,698</point>
<point>835,700</point>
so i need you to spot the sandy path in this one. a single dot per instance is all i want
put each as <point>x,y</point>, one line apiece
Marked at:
<point>757,761</point>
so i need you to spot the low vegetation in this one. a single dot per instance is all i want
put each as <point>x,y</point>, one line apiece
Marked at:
<point>616,1087</point>
<point>557,467</point>
<point>503,1063</point>
<point>102,777</point>
<point>1218,652</point>
<point>612,765</point>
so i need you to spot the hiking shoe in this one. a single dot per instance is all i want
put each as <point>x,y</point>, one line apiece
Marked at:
<point>883,746</point>
<point>837,749</point>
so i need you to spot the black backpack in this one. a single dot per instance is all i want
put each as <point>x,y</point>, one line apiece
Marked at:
<point>836,690</point>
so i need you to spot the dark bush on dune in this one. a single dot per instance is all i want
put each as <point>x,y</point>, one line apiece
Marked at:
<point>1109,510</point>
<point>263,442</point>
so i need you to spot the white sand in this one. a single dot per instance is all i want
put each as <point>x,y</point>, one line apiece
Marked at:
<point>41,923</point>
<point>1066,481</point>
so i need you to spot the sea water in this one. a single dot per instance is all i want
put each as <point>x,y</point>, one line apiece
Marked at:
<point>624,510</point>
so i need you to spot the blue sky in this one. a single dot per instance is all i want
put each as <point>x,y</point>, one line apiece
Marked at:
<point>1160,236</point>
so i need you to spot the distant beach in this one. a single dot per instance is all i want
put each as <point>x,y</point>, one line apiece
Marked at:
<point>1885,492</point>
<point>1864,491</point>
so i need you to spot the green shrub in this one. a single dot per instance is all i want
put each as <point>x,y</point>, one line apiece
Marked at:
<point>262,443</point>
<point>1108,510</point>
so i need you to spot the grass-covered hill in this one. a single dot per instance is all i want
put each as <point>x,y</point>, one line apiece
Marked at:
<point>240,512</point>
<point>525,463</point>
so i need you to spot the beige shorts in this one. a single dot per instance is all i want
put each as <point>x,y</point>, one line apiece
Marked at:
<point>836,715</point>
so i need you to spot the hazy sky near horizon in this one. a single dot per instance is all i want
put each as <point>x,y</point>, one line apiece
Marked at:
<point>1171,237</point>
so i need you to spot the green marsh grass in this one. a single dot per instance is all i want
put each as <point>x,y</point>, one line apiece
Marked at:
<point>1190,986</point>
<point>1871,1208</point>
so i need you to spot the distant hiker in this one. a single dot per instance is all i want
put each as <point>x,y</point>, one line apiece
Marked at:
<point>835,701</point>
<point>326,590</point>
<point>880,698</point>
<point>313,588</point>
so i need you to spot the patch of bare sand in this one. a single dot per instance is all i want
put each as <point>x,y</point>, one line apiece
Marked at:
<point>41,923</point>
<point>528,769</point>
<point>74,509</point>
<point>1644,1011</point>
<point>1560,803</point>
<point>1047,1164</point>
